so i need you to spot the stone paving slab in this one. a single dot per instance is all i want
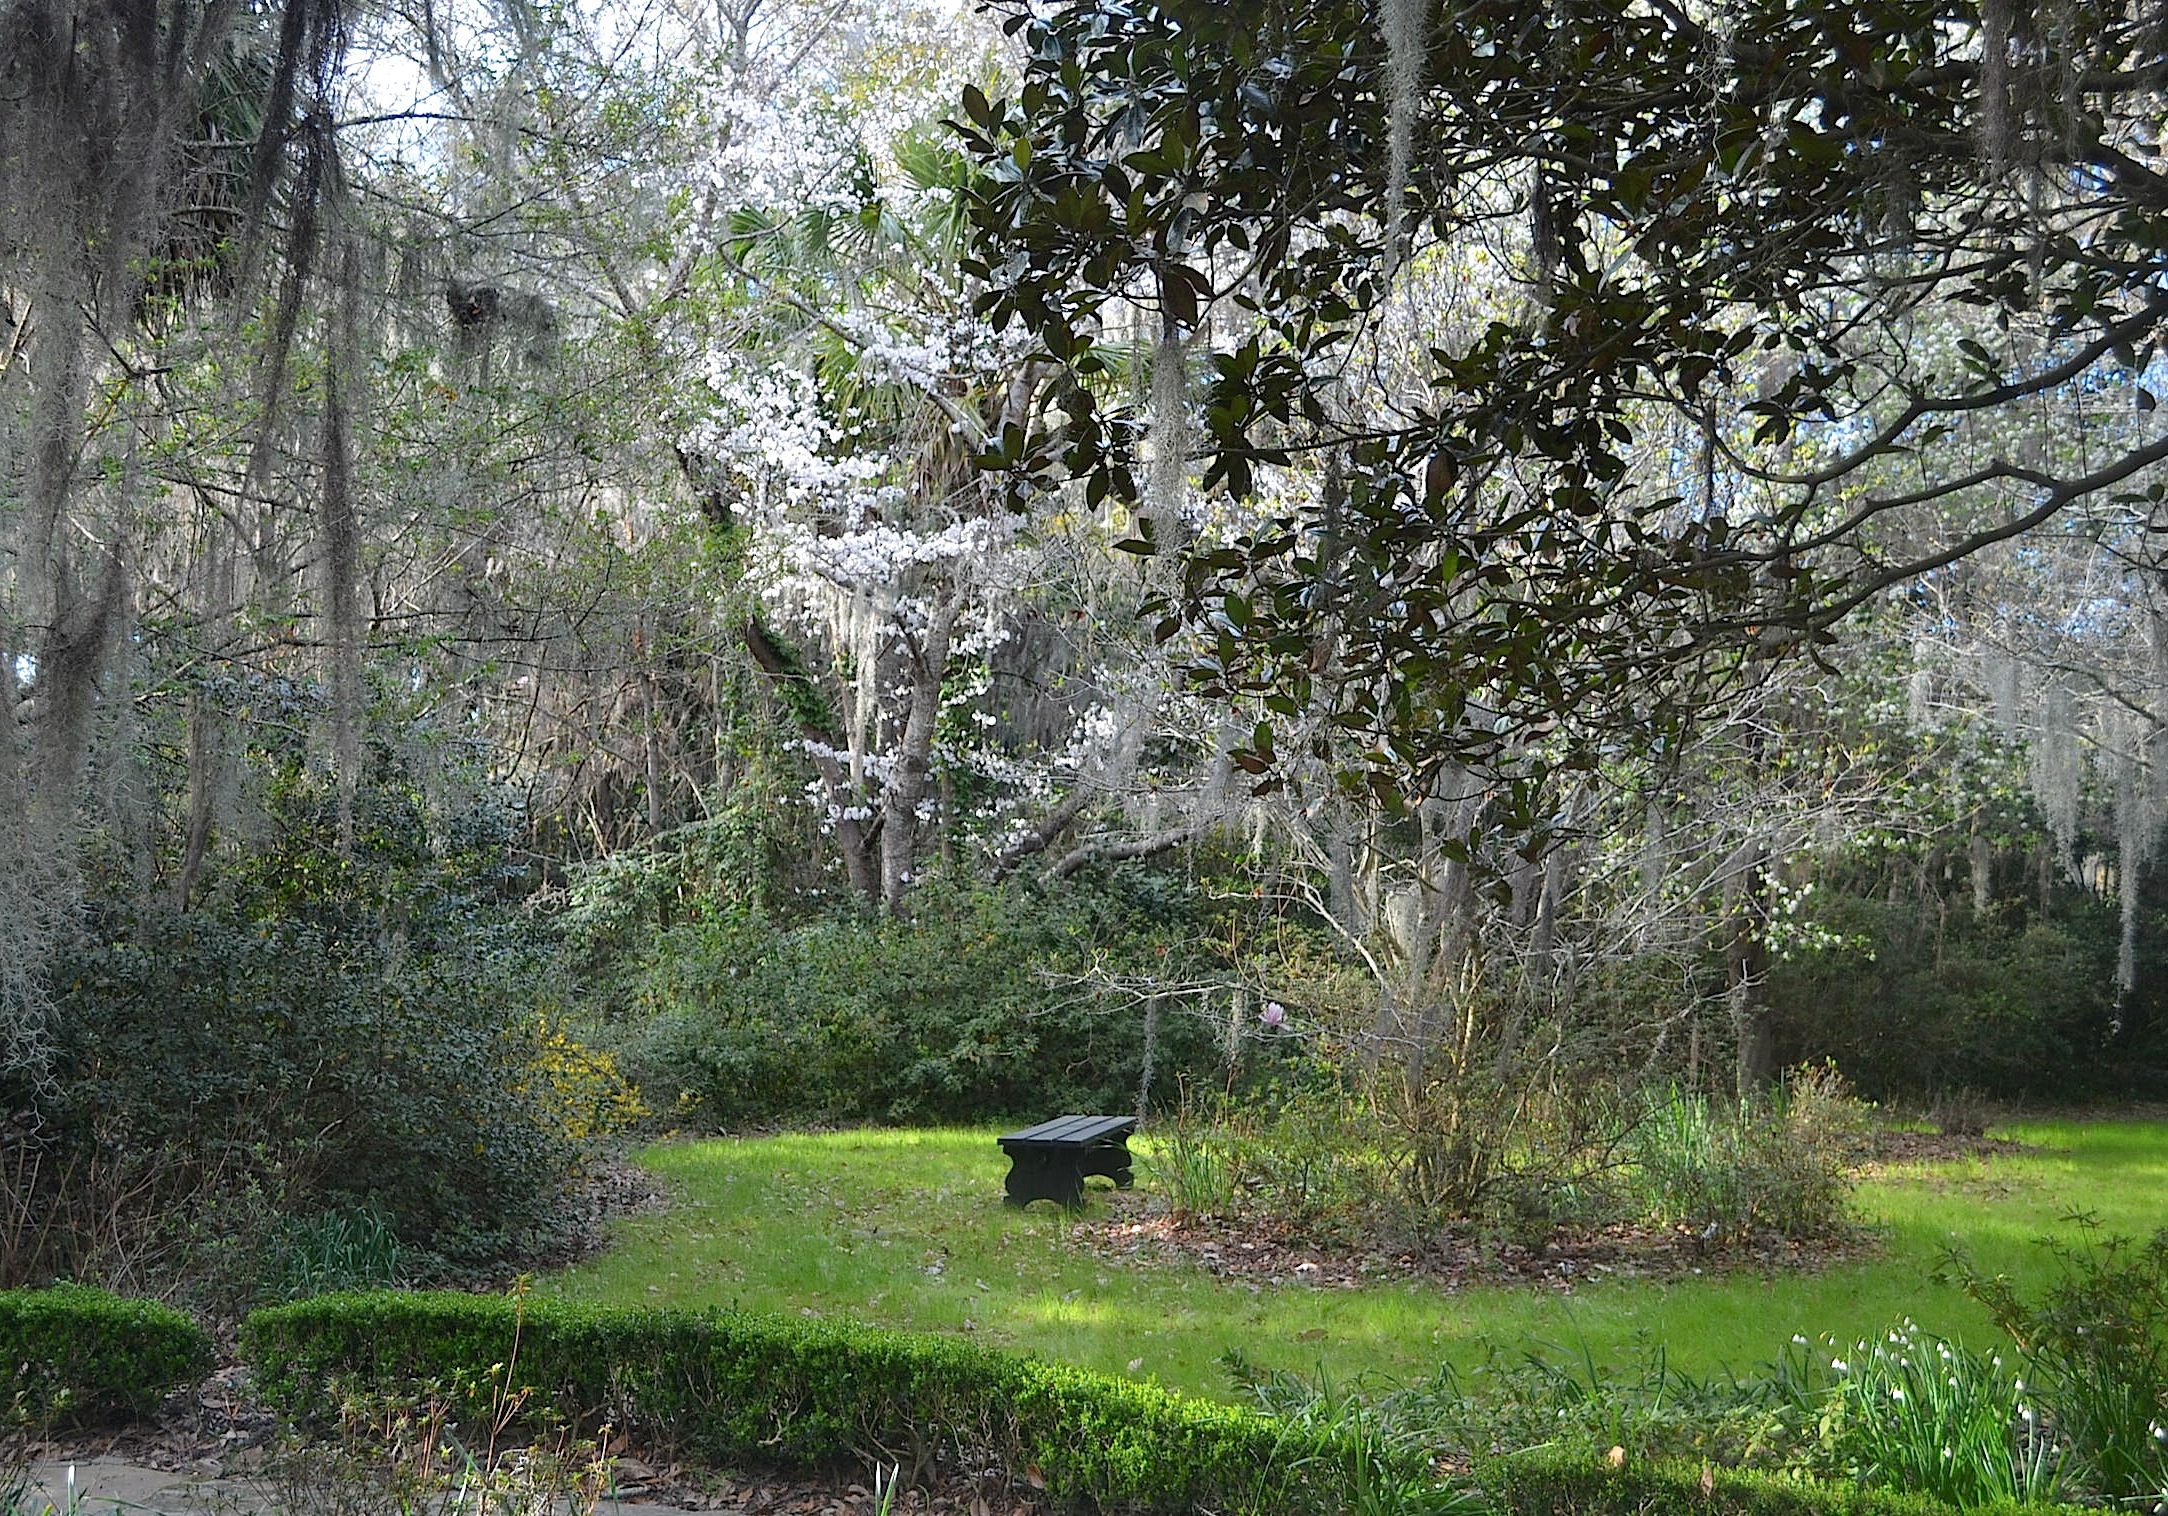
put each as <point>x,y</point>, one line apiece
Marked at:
<point>101,1486</point>
<point>115,1487</point>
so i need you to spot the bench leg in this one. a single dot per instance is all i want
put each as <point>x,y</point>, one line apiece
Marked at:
<point>1111,1161</point>
<point>1044,1176</point>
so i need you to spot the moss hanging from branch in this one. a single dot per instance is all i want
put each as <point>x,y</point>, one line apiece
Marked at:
<point>114,116</point>
<point>2137,829</point>
<point>342,549</point>
<point>1167,482</point>
<point>1403,24</point>
<point>2056,770</point>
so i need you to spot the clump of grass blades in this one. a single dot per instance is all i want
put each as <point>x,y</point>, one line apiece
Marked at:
<point>1186,1160</point>
<point>1729,1168</point>
<point>1919,1412</point>
<point>1909,1411</point>
<point>338,1250</point>
<point>1379,1453</point>
<point>1689,1163</point>
<point>2097,1338</point>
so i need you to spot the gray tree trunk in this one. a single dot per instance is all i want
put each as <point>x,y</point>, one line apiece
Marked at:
<point>908,782</point>
<point>1746,973</point>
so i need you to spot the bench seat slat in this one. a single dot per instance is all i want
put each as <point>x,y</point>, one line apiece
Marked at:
<point>1064,1131</point>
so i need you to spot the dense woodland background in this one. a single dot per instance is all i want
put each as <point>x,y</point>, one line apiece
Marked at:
<point>711,565</point>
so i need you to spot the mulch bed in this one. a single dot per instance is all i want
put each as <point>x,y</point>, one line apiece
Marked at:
<point>1127,1228</point>
<point>611,1186</point>
<point>1884,1148</point>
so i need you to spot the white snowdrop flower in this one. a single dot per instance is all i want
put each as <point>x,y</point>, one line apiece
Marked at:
<point>1896,1392</point>
<point>1801,1341</point>
<point>1840,1365</point>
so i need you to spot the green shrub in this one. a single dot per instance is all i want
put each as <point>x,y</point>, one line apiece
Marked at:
<point>1560,1482</point>
<point>2097,1341</point>
<point>728,1387</point>
<point>1731,1168</point>
<point>945,1015</point>
<point>1914,996</point>
<point>317,1037</point>
<point>1342,1163</point>
<point>1309,1153</point>
<point>342,1076</point>
<point>79,1355</point>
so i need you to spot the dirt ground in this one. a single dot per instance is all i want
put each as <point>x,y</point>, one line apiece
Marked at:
<point>213,1451</point>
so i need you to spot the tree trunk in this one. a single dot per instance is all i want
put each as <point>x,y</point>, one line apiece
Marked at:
<point>907,783</point>
<point>1448,941</point>
<point>1746,974</point>
<point>205,751</point>
<point>854,839</point>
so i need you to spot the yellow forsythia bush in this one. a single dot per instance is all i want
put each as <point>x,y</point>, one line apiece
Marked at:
<point>581,1086</point>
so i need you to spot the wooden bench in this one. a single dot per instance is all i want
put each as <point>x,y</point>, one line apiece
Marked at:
<point>1049,1161</point>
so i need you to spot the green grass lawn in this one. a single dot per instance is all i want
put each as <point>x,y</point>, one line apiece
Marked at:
<point>907,1229</point>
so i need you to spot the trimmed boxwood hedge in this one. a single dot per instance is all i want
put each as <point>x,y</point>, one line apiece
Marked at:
<point>727,1387</point>
<point>1562,1482</point>
<point>76,1355</point>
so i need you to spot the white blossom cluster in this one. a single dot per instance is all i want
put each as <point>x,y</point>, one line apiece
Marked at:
<point>859,546</point>
<point>927,348</point>
<point>781,151</point>
<point>766,425</point>
<point>881,555</point>
<point>796,123</point>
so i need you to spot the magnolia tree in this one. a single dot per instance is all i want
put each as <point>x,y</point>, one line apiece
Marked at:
<point>1565,382</point>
